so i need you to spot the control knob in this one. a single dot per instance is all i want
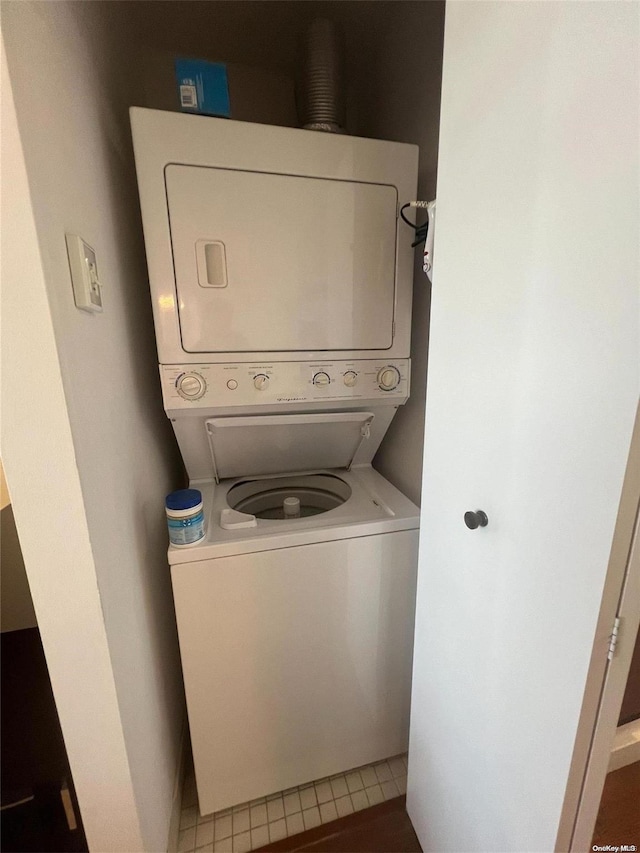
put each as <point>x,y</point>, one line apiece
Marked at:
<point>350,378</point>
<point>261,382</point>
<point>191,386</point>
<point>388,378</point>
<point>321,379</point>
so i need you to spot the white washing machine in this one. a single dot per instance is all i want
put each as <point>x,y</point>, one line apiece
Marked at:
<point>281,287</point>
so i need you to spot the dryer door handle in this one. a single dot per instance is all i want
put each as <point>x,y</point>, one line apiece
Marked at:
<point>211,260</point>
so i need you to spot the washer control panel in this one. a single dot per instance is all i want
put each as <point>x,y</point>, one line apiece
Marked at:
<point>223,385</point>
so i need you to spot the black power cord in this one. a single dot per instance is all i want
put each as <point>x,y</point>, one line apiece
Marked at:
<point>421,230</point>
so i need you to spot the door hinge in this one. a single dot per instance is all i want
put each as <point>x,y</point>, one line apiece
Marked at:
<point>613,639</point>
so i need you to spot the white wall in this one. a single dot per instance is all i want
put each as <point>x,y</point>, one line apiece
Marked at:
<point>70,66</point>
<point>39,457</point>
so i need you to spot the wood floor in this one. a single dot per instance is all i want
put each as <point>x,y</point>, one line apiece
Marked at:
<point>385,828</point>
<point>618,820</point>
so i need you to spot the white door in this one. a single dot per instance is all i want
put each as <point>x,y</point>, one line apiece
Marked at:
<point>531,394</point>
<point>267,262</point>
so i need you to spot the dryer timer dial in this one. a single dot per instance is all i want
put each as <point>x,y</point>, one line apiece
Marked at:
<point>388,378</point>
<point>191,386</point>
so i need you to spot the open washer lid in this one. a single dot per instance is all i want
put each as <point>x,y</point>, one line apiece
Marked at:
<point>252,445</point>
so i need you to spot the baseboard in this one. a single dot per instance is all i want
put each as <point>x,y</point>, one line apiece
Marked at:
<point>626,746</point>
<point>176,807</point>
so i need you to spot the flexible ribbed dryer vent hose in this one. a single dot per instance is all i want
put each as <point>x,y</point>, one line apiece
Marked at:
<point>322,84</point>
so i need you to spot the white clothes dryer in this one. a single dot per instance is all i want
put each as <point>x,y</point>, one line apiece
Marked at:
<point>273,243</point>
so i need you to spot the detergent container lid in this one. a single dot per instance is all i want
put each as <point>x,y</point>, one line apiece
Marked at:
<point>183,499</point>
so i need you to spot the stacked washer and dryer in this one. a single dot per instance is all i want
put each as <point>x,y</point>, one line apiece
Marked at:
<point>281,285</point>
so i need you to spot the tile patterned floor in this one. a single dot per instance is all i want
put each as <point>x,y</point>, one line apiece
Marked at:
<point>252,825</point>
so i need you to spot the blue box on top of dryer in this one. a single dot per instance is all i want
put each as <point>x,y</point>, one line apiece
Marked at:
<point>203,87</point>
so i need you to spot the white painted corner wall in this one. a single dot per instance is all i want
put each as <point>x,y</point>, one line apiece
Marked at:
<point>38,453</point>
<point>86,445</point>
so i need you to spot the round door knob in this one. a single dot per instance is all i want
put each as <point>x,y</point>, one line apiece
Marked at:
<point>260,382</point>
<point>321,379</point>
<point>476,519</point>
<point>388,378</point>
<point>191,386</point>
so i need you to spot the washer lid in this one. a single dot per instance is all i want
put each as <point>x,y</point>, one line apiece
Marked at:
<point>248,446</point>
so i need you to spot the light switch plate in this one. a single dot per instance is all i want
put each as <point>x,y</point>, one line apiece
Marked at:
<point>87,289</point>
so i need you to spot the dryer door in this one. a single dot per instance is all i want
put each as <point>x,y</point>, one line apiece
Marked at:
<point>274,263</point>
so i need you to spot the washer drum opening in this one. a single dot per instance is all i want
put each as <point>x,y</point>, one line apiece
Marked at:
<point>277,498</point>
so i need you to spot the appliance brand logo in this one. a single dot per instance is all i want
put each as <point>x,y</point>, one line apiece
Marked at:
<point>290,399</point>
